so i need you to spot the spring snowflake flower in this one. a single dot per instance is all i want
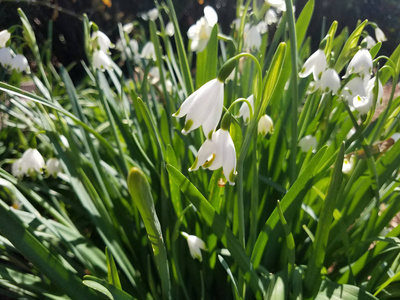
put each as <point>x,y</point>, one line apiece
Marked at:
<point>369,40</point>
<point>6,56</point>
<point>19,63</point>
<point>148,51</point>
<point>31,162</point>
<point>244,110</point>
<point>16,169</point>
<point>329,81</point>
<point>4,37</point>
<point>380,36</point>
<point>169,29</point>
<point>364,103</point>
<point>315,64</point>
<point>271,17</point>
<point>127,28</point>
<point>101,60</point>
<point>265,125</point>
<point>203,108</point>
<point>252,38</point>
<point>53,167</point>
<point>217,152</point>
<point>308,142</point>
<point>200,32</point>
<point>370,88</point>
<point>195,245</point>
<point>279,4</point>
<point>100,41</point>
<point>355,87</point>
<point>360,64</point>
<point>153,14</point>
<point>348,165</point>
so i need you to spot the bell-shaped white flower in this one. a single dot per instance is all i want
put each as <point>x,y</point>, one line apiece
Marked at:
<point>101,60</point>
<point>370,88</point>
<point>16,168</point>
<point>195,245</point>
<point>244,110</point>
<point>315,64</point>
<point>252,38</point>
<point>200,32</point>
<point>271,17</point>
<point>369,40</point>
<point>100,41</point>
<point>265,125</point>
<point>360,64</point>
<point>4,37</point>
<point>217,152</point>
<point>279,4</point>
<point>153,14</point>
<point>203,108</point>
<point>53,167</point>
<point>348,164</point>
<point>169,29</point>
<point>127,28</point>
<point>362,104</point>
<point>329,81</point>
<point>6,56</point>
<point>148,51</point>
<point>19,63</point>
<point>308,142</point>
<point>262,27</point>
<point>380,36</point>
<point>31,161</point>
<point>354,88</point>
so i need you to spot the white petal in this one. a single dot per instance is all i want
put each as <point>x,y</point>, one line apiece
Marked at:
<point>211,15</point>
<point>315,64</point>
<point>4,37</point>
<point>169,29</point>
<point>229,157</point>
<point>205,152</point>
<point>214,116</point>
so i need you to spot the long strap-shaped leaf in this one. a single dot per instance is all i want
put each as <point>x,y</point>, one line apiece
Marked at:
<point>217,224</point>
<point>41,257</point>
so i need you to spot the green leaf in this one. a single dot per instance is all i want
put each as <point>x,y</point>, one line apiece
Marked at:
<point>112,271</point>
<point>332,291</point>
<point>106,288</point>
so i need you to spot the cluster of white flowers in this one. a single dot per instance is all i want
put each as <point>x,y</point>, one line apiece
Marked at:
<point>101,45</point>
<point>32,162</point>
<point>8,59</point>
<point>200,33</point>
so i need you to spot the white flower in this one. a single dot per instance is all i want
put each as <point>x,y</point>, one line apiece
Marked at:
<point>271,17</point>
<point>154,75</point>
<point>101,60</point>
<point>148,51</point>
<point>362,104</point>
<point>6,56</point>
<point>262,27</point>
<point>352,89</point>
<point>195,244</point>
<point>329,81</point>
<point>265,125</point>
<point>127,28</point>
<point>53,166</point>
<point>370,41</point>
<point>16,169</point>
<point>169,29</point>
<point>217,152</point>
<point>153,14</point>
<point>360,64</point>
<point>101,41</point>
<point>348,164</point>
<point>31,162</point>
<point>200,32</point>
<point>308,142</point>
<point>4,37</point>
<point>279,4</point>
<point>19,63</point>
<point>315,64</point>
<point>244,110</point>
<point>370,88</point>
<point>252,38</point>
<point>380,36</point>
<point>203,108</point>
<point>64,141</point>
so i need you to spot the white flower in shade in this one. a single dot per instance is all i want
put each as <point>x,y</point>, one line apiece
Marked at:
<point>370,41</point>
<point>315,64</point>
<point>265,125</point>
<point>101,60</point>
<point>169,29</point>
<point>308,142</point>
<point>279,4</point>
<point>262,27</point>
<point>329,81</point>
<point>101,41</point>
<point>148,51</point>
<point>252,38</point>
<point>217,152</point>
<point>380,36</point>
<point>16,169</point>
<point>355,87</point>
<point>31,161</point>
<point>348,164</point>
<point>200,32</point>
<point>203,108</point>
<point>195,245</point>
<point>64,141</point>
<point>53,167</point>
<point>244,110</point>
<point>154,75</point>
<point>134,46</point>
<point>271,17</point>
<point>127,28</point>
<point>6,56</point>
<point>360,64</point>
<point>153,14</point>
<point>4,37</point>
<point>19,63</point>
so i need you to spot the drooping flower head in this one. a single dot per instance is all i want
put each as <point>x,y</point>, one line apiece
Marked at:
<point>4,37</point>
<point>279,4</point>
<point>329,81</point>
<point>6,56</point>
<point>19,63</point>
<point>100,41</point>
<point>315,64</point>
<point>169,29</point>
<point>360,64</point>
<point>53,167</point>
<point>200,32</point>
<point>355,87</point>
<point>31,161</point>
<point>271,17</point>
<point>252,38</point>
<point>195,245</point>
<point>101,60</point>
<point>380,36</point>
<point>265,125</point>
<point>244,110</point>
<point>308,142</point>
<point>148,51</point>
<point>348,164</point>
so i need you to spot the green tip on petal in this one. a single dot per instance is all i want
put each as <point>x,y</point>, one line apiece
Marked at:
<point>176,113</point>
<point>188,125</point>
<point>209,163</point>
<point>194,164</point>
<point>209,135</point>
<point>232,177</point>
